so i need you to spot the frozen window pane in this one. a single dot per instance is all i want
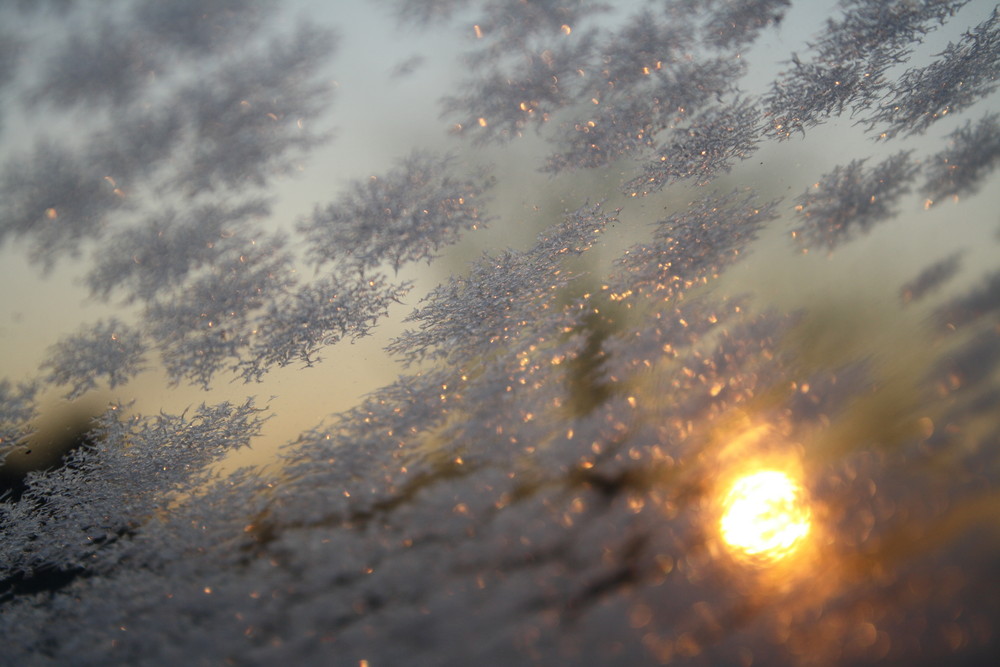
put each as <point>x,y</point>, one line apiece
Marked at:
<point>549,367</point>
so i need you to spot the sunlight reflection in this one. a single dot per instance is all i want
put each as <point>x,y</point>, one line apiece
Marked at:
<point>765,516</point>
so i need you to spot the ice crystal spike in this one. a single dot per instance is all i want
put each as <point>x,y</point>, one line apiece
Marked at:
<point>931,278</point>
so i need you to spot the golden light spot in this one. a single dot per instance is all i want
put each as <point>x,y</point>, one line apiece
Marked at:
<point>51,213</point>
<point>478,31</point>
<point>482,122</point>
<point>765,516</point>
<point>565,29</point>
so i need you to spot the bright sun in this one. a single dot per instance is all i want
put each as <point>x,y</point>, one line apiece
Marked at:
<point>765,515</point>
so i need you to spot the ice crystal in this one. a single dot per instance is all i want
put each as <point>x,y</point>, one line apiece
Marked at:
<point>159,253</point>
<point>17,410</point>
<point>735,23</point>
<point>850,58</point>
<point>105,492</point>
<point>545,476</point>
<point>696,244</point>
<point>405,216</point>
<point>109,66</point>
<point>207,323</point>
<point>852,199</point>
<point>192,28</point>
<point>503,101</point>
<point>508,28</point>
<point>492,305</point>
<point>56,199</point>
<point>931,278</point>
<point>626,124</point>
<point>965,72</point>
<point>108,349</point>
<point>296,327</point>
<point>973,306</point>
<point>973,153</point>
<point>247,118</point>
<point>708,146</point>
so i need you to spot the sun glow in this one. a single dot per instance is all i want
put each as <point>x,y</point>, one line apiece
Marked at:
<point>765,516</point>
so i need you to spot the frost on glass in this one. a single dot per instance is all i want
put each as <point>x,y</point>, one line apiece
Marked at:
<point>696,245</point>
<point>847,66</point>
<point>973,153</point>
<point>931,278</point>
<point>708,146</point>
<point>543,482</point>
<point>404,216</point>
<point>55,198</point>
<point>737,23</point>
<point>965,72</point>
<point>207,323</point>
<point>852,199</point>
<point>17,410</point>
<point>501,295</point>
<point>110,348</point>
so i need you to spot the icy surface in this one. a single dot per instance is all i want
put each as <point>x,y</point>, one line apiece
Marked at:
<point>542,483</point>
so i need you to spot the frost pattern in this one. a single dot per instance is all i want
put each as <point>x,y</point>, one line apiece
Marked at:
<point>965,72</point>
<point>405,216</point>
<point>295,328</point>
<point>17,410</point>
<point>56,199</point>
<point>736,23</point>
<point>109,348</point>
<point>166,247</point>
<point>246,120</point>
<point>851,58</point>
<point>207,324</point>
<point>543,479</point>
<point>972,155</point>
<point>492,305</point>
<point>103,495</point>
<point>931,278</point>
<point>707,147</point>
<point>697,244</point>
<point>852,199</point>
